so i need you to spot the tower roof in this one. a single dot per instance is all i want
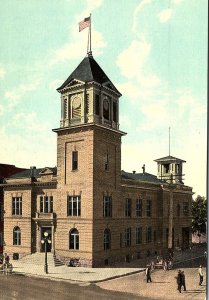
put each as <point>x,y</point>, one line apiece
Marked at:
<point>169,159</point>
<point>87,71</point>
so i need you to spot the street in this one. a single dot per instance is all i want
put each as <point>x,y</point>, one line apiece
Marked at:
<point>163,286</point>
<point>16,287</point>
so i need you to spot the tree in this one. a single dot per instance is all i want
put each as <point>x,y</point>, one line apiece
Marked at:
<point>199,215</point>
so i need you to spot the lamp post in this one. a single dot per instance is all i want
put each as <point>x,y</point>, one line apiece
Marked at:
<point>46,241</point>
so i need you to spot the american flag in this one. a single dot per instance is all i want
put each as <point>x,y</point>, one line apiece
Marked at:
<point>85,23</point>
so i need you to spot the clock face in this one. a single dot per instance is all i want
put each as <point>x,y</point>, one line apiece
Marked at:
<point>76,102</point>
<point>106,104</point>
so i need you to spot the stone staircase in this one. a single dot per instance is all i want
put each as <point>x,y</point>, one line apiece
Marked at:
<point>37,259</point>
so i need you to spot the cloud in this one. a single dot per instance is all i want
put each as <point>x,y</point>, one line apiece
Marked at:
<point>24,150</point>
<point>138,9</point>
<point>132,59</point>
<point>15,95</point>
<point>177,1</point>
<point>2,72</point>
<point>55,84</point>
<point>165,15</point>
<point>30,123</point>
<point>1,110</point>
<point>77,47</point>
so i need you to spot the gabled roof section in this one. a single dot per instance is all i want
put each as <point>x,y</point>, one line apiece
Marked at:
<point>34,173</point>
<point>169,158</point>
<point>140,177</point>
<point>87,71</point>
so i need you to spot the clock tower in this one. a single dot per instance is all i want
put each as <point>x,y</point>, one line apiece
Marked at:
<point>88,157</point>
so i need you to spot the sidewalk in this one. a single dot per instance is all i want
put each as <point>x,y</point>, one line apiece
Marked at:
<point>76,274</point>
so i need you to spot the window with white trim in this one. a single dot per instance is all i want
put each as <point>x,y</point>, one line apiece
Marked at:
<point>17,206</point>
<point>74,239</point>
<point>46,204</point>
<point>17,236</point>
<point>74,206</point>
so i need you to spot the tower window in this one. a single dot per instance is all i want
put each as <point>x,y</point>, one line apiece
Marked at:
<point>17,206</point>
<point>186,208</point>
<point>74,239</point>
<point>114,111</point>
<point>106,109</point>
<point>166,168</point>
<point>106,164</point>
<point>74,160</point>
<point>65,109</point>
<point>74,206</point>
<point>87,104</point>
<point>16,236</point>
<point>107,206</point>
<point>97,104</point>
<point>107,239</point>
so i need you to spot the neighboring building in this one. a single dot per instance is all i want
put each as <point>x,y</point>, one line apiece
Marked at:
<point>90,209</point>
<point>5,171</point>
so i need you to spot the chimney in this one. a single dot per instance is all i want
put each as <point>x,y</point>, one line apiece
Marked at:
<point>143,168</point>
<point>134,172</point>
<point>32,173</point>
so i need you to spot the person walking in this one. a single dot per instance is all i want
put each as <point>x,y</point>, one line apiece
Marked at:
<point>183,280</point>
<point>200,275</point>
<point>148,274</point>
<point>179,280</point>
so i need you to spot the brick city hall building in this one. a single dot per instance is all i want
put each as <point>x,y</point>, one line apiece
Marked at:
<point>90,208</point>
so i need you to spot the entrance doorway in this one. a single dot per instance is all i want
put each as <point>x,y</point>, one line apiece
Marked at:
<point>48,246</point>
<point>185,238</point>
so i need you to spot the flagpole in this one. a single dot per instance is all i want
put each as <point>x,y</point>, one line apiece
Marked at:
<point>90,36</point>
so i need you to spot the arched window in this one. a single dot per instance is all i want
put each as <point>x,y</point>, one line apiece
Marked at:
<point>16,236</point>
<point>107,239</point>
<point>74,239</point>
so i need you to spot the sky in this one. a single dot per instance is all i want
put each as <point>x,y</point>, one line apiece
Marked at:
<point>155,53</point>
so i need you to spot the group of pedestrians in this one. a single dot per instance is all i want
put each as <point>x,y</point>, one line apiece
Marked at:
<point>181,279</point>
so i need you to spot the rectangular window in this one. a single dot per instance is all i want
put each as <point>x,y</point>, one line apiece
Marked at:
<point>74,206</point>
<point>138,235</point>
<point>51,204</point>
<point>128,208</point>
<point>74,160</point>
<point>106,164</point>
<point>139,207</point>
<point>17,206</point>
<point>46,204</point>
<point>97,104</point>
<point>186,208</point>
<point>149,208</point>
<point>149,234</point>
<point>107,206</point>
<point>127,237</point>
<point>41,204</point>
